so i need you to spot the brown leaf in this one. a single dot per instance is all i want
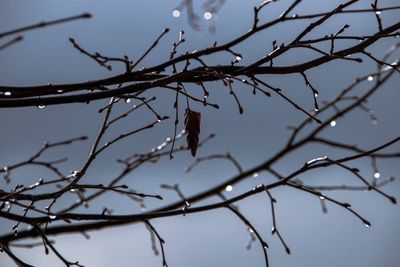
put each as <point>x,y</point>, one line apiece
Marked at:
<point>192,128</point>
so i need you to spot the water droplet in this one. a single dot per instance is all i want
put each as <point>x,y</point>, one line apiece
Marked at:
<point>255,174</point>
<point>60,91</point>
<point>316,110</point>
<point>238,58</point>
<point>229,188</point>
<point>41,106</point>
<point>169,139</point>
<point>7,93</point>
<point>370,78</point>
<point>127,100</point>
<point>52,217</point>
<point>207,15</point>
<point>316,95</point>
<point>377,175</point>
<point>35,185</point>
<point>347,205</point>
<point>378,12</point>
<point>159,147</point>
<point>333,123</point>
<point>176,13</point>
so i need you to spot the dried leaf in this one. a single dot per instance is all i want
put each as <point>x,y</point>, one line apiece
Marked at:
<point>192,128</point>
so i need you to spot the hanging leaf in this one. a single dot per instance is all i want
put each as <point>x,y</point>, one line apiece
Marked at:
<point>192,128</point>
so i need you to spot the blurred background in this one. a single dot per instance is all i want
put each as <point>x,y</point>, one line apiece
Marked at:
<point>215,238</point>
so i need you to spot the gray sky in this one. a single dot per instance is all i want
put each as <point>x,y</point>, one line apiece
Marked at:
<point>215,238</point>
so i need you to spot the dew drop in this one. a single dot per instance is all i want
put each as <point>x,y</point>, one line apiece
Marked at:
<point>378,12</point>
<point>187,204</point>
<point>207,15</point>
<point>7,93</point>
<point>333,123</point>
<point>238,58</point>
<point>41,106</point>
<point>168,139</point>
<point>229,188</point>
<point>127,100</point>
<point>60,91</point>
<point>159,147</point>
<point>377,175</point>
<point>347,205</point>
<point>255,174</point>
<point>52,217</point>
<point>370,78</point>
<point>176,13</point>
<point>321,197</point>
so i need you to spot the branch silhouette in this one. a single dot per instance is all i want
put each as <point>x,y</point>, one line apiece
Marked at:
<point>23,205</point>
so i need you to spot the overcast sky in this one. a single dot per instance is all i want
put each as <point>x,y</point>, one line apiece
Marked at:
<point>215,238</point>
